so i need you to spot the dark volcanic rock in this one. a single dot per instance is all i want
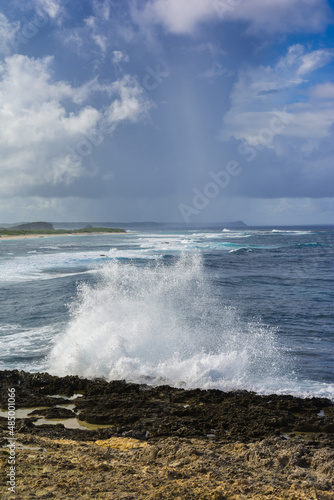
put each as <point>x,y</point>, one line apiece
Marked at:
<point>53,413</point>
<point>155,412</point>
<point>165,443</point>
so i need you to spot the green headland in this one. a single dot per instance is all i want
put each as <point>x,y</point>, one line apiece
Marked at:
<point>45,228</point>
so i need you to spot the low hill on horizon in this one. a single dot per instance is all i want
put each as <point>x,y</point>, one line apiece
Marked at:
<point>33,226</point>
<point>48,226</point>
<point>155,225</point>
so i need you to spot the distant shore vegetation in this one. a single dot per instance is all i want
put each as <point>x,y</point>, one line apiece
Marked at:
<point>26,232</point>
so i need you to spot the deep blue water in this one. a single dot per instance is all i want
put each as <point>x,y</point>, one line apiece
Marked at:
<point>250,309</point>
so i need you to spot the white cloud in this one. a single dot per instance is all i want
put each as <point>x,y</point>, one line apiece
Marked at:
<point>41,117</point>
<point>262,90</point>
<point>130,105</point>
<point>53,8</point>
<point>177,16</point>
<point>283,132</point>
<point>315,60</point>
<point>323,91</point>
<point>93,25</point>
<point>182,17</point>
<point>119,56</point>
<point>101,41</point>
<point>279,15</point>
<point>8,32</point>
<point>102,9</point>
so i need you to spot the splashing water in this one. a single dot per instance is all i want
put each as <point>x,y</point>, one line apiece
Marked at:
<point>164,323</point>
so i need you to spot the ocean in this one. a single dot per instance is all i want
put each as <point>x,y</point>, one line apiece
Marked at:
<point>250,308</point>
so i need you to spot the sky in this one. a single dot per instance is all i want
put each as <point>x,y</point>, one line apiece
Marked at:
<point>167,110</point>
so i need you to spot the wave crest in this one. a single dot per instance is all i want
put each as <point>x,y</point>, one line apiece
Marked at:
<point>162,322</point>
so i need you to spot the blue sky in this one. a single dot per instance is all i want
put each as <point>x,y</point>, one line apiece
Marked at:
<point>167,110</point>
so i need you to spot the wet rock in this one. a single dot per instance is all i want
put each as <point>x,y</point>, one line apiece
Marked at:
<point>197,444</point>
<point>163,411</point>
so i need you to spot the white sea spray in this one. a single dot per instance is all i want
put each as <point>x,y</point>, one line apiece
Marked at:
<point>162,323</point>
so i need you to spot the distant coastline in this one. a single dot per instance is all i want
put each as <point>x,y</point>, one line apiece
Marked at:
<point>45,229</point>
<point>16,233</point>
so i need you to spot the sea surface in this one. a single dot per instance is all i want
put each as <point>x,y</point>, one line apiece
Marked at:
<point>228,309</point>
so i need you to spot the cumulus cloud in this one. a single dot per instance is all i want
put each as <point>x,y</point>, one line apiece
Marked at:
<point>176,16</point>
<point>182,17</point>
<point>41,118</point>
<point>260,95</point>
<point>283,141</point>
<point>129,105</point>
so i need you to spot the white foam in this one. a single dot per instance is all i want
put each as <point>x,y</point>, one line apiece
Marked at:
<point>9,327</point>
<point>240,249</point>
<point>290,232</point>
<point>237,235</point>
<point>162,324</point>
<point>27,342</point>
<point>35,266</point>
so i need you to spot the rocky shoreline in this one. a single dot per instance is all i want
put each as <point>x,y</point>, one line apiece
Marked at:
<point>93,439</point>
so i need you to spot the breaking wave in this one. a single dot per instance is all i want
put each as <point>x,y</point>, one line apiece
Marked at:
<point>162,323</point>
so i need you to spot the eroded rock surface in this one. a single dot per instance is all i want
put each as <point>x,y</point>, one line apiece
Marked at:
<point>166,443</point>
